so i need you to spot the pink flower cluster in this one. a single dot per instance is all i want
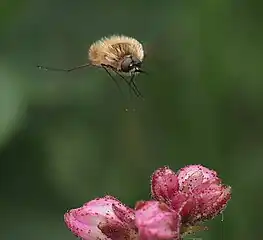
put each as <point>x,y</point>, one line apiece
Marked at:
<point>181,201</point>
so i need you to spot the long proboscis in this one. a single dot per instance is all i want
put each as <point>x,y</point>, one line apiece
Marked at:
<point>141,71</point>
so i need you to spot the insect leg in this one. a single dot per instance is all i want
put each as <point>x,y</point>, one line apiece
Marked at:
<point>127,82</point>
<point>117,84</point>
<point>134,85</point>
<point>63,70</point>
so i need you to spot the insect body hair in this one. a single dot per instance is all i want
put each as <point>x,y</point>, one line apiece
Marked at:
<point>112,51</point>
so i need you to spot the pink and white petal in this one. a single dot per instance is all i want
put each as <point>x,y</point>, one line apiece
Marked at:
<point>191,171</point>
<point>84,231</point>
<point>218,205</point>
<point>124,214</point>
<point>102,206</point>
<point>156,221</point>
<point>194,180</point>
<point>211,202</point>
<point>87,217</point>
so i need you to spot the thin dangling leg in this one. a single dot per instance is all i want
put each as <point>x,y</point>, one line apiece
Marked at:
<point>117,84</point>
<point>126,81</point>
<point>131,85</point>
<point>62,69</point>
<point>108,72</point>
<point>134,85</point>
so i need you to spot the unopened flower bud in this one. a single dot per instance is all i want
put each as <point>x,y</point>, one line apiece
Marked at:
<point>102,218</point>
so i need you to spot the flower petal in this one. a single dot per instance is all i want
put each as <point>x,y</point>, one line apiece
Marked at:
<point>213,202</point>
<point>193,176</point>
<point>79,229</point>
<point>164,184</point>
<point>156,221</point>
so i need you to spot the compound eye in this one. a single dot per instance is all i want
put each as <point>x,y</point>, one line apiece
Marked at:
<point>127,64</point>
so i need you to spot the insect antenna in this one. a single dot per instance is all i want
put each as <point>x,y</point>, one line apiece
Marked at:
<point>63,70</point>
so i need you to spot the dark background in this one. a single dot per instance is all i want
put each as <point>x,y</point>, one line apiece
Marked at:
<point>66,138</point>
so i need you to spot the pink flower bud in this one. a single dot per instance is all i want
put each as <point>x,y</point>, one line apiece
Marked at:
<point>196,188</point>
<point>102,218</point>
<point>156,221</point>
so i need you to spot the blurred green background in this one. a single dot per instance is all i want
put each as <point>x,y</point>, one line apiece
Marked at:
<point>66,138</point>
